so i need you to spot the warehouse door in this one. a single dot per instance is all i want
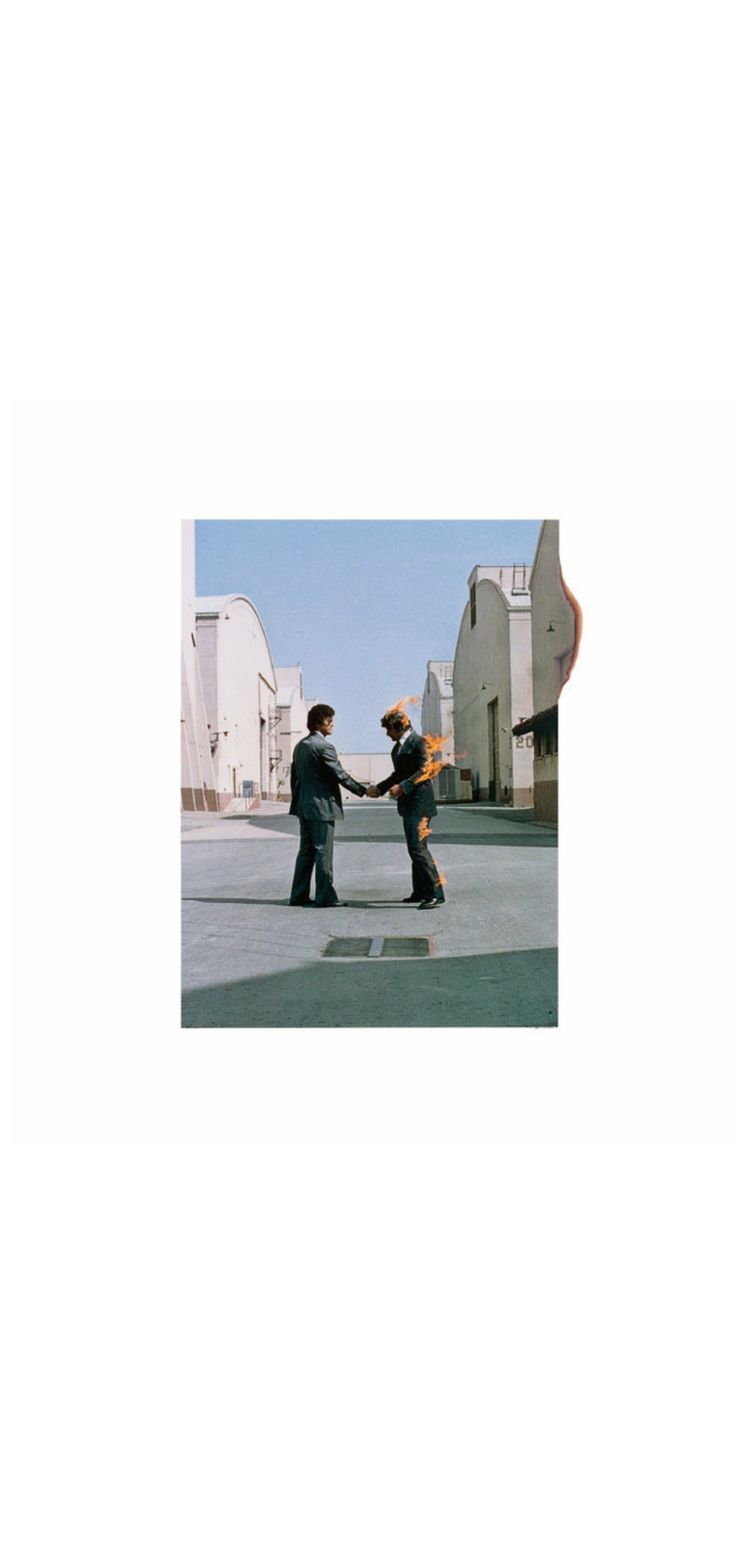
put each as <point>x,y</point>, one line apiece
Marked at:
<point>494,775</point>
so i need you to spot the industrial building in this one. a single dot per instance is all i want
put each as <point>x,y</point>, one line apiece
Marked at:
<point>239,686</point>
<point>556,625</point>
<point>198,790</point>
<point>437,706</point>
<point>492,684</point>
<point>291,723</point>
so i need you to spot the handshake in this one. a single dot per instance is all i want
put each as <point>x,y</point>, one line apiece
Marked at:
<point>375,792</point>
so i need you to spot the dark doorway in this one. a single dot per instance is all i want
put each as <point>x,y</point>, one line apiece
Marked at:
<point>494,775</point>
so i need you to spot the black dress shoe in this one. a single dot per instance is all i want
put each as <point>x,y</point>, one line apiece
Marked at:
<point>412,900</point>
<point>431,903</point>
<point>301,903</point>
<point>328,905</point>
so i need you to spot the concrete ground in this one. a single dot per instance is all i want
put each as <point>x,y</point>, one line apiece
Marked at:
<point>250,960</point>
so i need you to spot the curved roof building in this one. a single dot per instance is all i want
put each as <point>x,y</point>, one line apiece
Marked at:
<point>239,686</point>
<point>492,684</point>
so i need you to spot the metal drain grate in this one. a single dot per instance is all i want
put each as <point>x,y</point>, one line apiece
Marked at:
<point>395,948</point>
<point>376,948</point>
<point>342,948</point>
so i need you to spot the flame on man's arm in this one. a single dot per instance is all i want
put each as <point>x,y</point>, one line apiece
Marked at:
<point>434,742</point>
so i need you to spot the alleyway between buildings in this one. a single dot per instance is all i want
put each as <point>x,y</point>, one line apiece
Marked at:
<point>252,961</point>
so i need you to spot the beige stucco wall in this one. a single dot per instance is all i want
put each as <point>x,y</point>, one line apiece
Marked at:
<point>367,767</point>
<point>551,650</point>
<point>437,705</point>
<point>291,710</point>
<point>197,774</point>
<point>545,789</point>
<point>239,683</point>
<point>493,662</point>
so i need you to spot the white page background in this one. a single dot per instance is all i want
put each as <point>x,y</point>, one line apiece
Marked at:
<point>351,1290</point>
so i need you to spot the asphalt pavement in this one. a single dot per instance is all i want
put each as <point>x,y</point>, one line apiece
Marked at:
<point>249,960</point>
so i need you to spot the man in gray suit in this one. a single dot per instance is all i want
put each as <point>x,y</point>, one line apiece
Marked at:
<point>316,775</point>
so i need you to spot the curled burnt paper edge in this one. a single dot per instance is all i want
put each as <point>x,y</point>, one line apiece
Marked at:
<point>578,614</point>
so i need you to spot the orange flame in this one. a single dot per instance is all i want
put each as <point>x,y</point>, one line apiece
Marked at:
<point>399,705</point>
<point>425,830</point>
<point>434,742</point>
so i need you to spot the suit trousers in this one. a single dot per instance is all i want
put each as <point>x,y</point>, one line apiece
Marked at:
<point>425,879</point>
<point>316,845</point>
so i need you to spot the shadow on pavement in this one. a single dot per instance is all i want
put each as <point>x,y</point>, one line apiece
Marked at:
<point>238,900</point>
<point>491,991</point>
<point>441,838</point>
<point>262,900</point>
<point>520,836</point>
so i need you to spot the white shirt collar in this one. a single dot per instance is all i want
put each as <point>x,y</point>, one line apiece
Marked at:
<point>404,737</point>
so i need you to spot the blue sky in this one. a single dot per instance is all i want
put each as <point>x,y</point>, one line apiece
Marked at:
<point>361,605</point>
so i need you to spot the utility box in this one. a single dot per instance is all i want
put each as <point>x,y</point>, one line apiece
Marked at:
<point>454,785</point>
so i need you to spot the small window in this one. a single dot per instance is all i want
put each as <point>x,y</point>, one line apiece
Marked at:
<point>472,605</point>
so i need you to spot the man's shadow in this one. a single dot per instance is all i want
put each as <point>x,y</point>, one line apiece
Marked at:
<point>256,900</point>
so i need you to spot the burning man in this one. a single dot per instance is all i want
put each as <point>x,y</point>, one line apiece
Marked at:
<point>316,776</point>
<point>410,784</point>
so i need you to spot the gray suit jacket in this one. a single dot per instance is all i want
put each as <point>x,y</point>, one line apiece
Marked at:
<point>316,775</point>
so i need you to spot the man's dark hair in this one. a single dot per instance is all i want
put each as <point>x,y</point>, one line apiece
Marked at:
<point>319,714</point>
<point>395,720</point>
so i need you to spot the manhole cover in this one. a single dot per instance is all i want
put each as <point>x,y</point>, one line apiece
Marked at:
<point>395,948</point>
<point>376,948</point>
<point>344,947</point>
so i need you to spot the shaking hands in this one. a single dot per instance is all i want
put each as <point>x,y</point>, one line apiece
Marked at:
<point>375,792</point>
<point>372,792</point>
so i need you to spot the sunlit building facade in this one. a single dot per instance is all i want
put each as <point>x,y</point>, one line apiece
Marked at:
<point>555,634</point>
<point>198,790</point>
<point>239,685</point>
<point>492,684</point>
<point>291,724</point>
<point>437,708</point>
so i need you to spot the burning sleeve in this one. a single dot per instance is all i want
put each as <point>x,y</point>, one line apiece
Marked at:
<point>421,755</point>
